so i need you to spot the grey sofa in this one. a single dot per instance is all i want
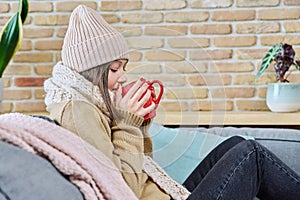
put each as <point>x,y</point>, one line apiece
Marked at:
<point>27,176</point>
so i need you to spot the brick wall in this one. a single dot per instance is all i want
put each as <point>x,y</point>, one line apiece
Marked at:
<point>206,52</point>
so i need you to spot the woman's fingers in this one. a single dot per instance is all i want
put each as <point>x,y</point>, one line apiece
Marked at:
<point>139,93</point>
<point>144,111</point>
<point>135,99</point>
<point>131,92</point>
<point>138,103</point>
<point>125,102</point>
<point>145,98</point>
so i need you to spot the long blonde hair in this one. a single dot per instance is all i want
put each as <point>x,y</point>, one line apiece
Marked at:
<point>99,76</point>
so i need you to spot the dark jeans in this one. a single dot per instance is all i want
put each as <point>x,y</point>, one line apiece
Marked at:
<point>241,169</point>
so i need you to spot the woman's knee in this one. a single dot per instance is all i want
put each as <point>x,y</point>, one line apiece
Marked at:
<point>253,143</point>
<point>250,145</point>
<point>236,139</point>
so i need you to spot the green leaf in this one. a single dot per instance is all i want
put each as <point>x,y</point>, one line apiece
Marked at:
<point>296,65</point>
<point>23,9</point>
<point>10,39</point>
<point>11,35</point>
<point>268,59</point>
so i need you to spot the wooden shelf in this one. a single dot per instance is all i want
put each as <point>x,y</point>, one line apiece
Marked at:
<point>229,118</point>
<point>221,118</point>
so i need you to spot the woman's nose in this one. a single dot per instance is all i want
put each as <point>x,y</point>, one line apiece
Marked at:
<point>122,79</point>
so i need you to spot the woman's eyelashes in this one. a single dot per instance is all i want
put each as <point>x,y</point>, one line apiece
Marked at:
<point>119,67</point>
<point>113,70</point>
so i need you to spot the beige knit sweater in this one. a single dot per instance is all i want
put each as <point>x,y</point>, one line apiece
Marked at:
<point>81,110</point>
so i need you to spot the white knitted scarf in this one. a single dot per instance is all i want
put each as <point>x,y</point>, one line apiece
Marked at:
<point>66,84</point>
<point>165,182</point>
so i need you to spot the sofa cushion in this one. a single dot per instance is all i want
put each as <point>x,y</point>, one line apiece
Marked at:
<point>179,150</point>
<point>24,175</point>
<point>283,142</point>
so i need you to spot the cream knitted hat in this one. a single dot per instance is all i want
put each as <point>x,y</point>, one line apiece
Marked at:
<point>90,41</point>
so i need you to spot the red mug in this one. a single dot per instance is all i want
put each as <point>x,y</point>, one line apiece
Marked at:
<point>153,97</point>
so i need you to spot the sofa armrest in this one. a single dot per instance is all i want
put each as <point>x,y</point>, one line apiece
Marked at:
<point>180,150</point>
<point>284,143</point>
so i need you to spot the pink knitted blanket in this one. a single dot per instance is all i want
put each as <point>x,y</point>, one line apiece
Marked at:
<point>89,169</point>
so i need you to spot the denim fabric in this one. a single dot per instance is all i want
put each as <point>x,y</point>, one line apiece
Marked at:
<point>241,169</point>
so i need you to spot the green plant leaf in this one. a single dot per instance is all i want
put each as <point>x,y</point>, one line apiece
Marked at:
<point>10,39</point>
<point>23,9</point>
<point>268,59</point>
<point>296,65</point>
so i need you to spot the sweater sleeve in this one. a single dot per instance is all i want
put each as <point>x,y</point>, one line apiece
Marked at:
<point>128,141</point>
<point>123,143</point>
<point>148,145</point>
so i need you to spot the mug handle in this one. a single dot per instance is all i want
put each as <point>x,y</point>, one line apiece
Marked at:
<point>157,99</point>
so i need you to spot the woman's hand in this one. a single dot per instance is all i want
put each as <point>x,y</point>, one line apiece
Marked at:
<point>132,100</point>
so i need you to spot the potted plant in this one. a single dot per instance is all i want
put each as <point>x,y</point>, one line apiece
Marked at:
<point>281,96</point>
<point>10,39</point>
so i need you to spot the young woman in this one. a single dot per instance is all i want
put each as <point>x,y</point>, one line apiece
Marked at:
<point>84,96</point>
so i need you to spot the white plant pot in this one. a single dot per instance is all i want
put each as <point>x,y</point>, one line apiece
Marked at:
<point>283,97</point>
<point>1,93</point>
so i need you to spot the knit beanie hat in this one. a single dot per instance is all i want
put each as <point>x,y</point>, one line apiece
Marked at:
<point>90,41</point>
